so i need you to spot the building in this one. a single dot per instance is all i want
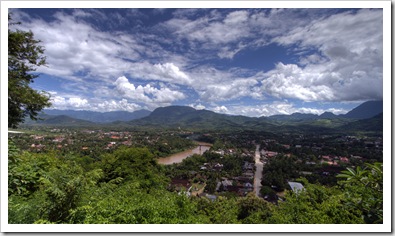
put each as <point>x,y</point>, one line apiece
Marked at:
<point>295,186</point>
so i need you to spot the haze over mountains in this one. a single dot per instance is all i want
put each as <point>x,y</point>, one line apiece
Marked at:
<point>365,117</point>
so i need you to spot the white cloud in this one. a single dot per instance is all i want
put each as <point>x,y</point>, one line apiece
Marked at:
<point>211,32</point>
<point>291,81</point>
<point>121,105</point>
<point>73,102</point>
<point>146,93</point>
<point>172,73</point>
<point>213,85</point>
<point>197,106</point>
<point>221,109</point>
<point>349,67</point>
<point>339,57</point>
<point>226,91</point>
<point>278,108</point>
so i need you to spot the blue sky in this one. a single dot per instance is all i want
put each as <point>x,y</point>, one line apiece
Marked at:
<point>253,62</point>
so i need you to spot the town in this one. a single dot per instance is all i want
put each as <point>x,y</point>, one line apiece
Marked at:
<point>228,167</point>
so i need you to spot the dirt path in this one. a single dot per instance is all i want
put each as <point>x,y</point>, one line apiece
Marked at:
<point>258,172</point>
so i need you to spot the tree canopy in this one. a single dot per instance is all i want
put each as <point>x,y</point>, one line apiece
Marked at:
<point>25,55</point>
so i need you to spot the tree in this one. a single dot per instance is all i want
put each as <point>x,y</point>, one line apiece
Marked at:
<point>24,56</point>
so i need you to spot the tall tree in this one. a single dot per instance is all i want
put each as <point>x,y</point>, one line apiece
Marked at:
<point>25,55</point>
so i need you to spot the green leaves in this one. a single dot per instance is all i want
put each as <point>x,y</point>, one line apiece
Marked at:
<point>364,190</point>
<point>130,204</point>
<point>24,56</point>
<point>315,205</point>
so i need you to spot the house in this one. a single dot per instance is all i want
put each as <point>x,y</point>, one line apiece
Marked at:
<point>248,185</point>
<point>218,166</point>
<point>295,186</point>
<point>248,166</point>
<point>180,183</point>
<point>227,183</point>
<point>271,154</point>
<point>326,158</point>
<point>331,163</point>
<point>344,159</point>
<point>220,152</point>
<point>209,196</point>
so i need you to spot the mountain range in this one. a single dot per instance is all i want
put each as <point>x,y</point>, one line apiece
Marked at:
<point>99,117</point>
<point>365,117</point>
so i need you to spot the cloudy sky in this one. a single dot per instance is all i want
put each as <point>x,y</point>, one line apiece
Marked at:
<point>253,62</point>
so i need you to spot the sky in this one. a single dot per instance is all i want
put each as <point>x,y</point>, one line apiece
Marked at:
<point>252,62</point>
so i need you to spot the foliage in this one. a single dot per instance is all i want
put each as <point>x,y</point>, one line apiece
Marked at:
<point>316,204</point>
<point>24,56</point>
<point>267,191</point>
<point>131,163</point>
<point>277,171</point>
<point>25,170</point>
<point>127,185</point>
<point>220,211</point>
<point>253,210</point>
<point>364,190</point>
<point>131,204</point>
<point>46,187</point>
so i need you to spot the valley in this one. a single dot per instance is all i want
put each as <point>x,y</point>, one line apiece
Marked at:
<point>202,155</point>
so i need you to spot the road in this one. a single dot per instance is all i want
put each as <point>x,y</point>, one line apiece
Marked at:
<point>258,172</point>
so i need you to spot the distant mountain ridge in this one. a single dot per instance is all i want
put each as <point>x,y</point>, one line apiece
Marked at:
<point>366,110</point>
<point>100,117</point>
<point>188,117</point>
<point>61,120</point>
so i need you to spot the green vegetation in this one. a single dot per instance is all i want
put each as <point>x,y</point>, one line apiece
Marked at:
<point>24,56</point>
<point>128,186</point>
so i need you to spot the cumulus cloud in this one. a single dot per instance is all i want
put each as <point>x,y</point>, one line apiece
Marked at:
<point>113,105</point>
<point>291,81</point>
<point>172,72</point>
<point>213,85</point>
<point>226,91</point>
<point>221,109</point>
<point>278,108</point>
<point>147,93</point>
<point>76,50</point>
<point>348,66</point>
<point>333,55</point>
<point>197,106</point>
<point>63,102</point>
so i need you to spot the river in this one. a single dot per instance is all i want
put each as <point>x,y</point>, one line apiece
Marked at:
<point>178,157</point>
